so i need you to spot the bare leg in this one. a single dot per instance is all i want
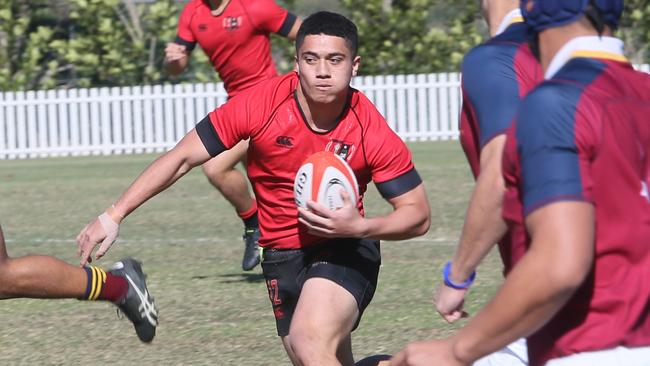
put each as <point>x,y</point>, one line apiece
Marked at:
<point>321,325</point>
<point>232,184</point>
<point>286,342</point>
<point>39,277</point>
<point>344,352</point>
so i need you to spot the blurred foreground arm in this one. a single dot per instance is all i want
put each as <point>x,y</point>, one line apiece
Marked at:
<point>483,228</point>
<point>559,259</point>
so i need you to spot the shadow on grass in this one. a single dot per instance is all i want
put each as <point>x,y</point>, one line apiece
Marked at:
<point>235,277</point>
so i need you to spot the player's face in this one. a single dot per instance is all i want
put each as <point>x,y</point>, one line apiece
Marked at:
<point>325,65</point>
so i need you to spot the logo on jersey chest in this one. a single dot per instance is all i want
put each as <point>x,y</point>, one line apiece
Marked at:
<point>284,141</point>
<point>341,148</point>
<point>232,23</point>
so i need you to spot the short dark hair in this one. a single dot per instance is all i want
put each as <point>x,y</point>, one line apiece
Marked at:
<point>329,24</point>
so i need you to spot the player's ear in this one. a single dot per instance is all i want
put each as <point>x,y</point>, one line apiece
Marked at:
<point>355,65</point>
<point>296,68</point>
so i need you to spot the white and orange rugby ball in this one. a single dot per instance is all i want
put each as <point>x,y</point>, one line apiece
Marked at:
<point>321,178</point>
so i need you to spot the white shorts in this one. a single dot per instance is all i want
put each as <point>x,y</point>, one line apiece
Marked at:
<point>638,356</point>
<point>514,354</point>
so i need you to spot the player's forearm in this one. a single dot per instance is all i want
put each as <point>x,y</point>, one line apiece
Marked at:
<point>483,227</point>
<point>176,67</point>
<point>559,259</point>
<point>525,302</point>
<point>162,173</point>
<point>410,218</point>
<point>406,224</point>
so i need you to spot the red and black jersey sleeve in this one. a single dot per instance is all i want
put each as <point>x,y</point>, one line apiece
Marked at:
<point>269,17</point>
<point>389,158</point>
<point>244,115</point>
<point>184,34</point>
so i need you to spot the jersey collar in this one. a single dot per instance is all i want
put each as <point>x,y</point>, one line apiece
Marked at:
<point>514,16</point>
<point>608,48</point>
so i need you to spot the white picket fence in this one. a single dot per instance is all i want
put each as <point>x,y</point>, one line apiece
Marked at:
<point>125,120</point>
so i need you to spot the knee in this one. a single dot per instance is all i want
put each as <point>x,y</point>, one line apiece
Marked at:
<point>310,348</point>
<point>304,350</point>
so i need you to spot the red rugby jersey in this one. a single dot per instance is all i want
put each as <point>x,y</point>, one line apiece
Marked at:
<point>280,140</point>
<point>237,41</point>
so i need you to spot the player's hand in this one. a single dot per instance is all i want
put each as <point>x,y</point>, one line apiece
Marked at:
<point>346,222</point>
<point>434,352</point>
<point>174,52</point>
<point>449,302</point>
<point>102,229</point>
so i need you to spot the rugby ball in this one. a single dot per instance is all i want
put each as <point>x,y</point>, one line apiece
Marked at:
<point>321,178</point>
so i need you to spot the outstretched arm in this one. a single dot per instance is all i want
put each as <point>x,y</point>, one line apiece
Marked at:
<point>483,227</point>
<point>162,173</point>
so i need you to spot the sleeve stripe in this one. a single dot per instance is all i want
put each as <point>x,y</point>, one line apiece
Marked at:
<point>190,45</point>
<point>288,23</point>
<point>400,185</point>
<point>209,137</point>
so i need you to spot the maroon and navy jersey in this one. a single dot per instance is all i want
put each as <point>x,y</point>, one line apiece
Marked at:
<point>584,136</point>
<point>496,77</point>
<point>236,41</point>
<point>281,140</point>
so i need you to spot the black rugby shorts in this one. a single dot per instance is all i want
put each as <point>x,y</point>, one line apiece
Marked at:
<point>351,263</point>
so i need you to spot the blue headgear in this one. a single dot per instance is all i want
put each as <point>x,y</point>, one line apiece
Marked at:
<point>543,14</point>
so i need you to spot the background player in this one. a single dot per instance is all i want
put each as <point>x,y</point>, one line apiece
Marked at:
<point>234,34</point>
<point>318,287</point>
<point>496,77</point>
<point>576,168</point>
<point>38,276</point>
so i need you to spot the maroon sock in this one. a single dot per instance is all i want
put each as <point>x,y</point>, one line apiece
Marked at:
<point>114,288</point>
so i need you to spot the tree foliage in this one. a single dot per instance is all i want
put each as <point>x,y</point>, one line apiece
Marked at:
<point>71,43</point>
<point>114,42</point>
<point>409,36</point>
<point>26,60</point>
<point>635,30</point>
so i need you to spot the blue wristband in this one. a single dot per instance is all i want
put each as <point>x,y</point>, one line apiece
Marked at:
<point>459,286</point>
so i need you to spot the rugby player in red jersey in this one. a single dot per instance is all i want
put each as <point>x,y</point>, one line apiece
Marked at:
<point>321,266</point>
<point>577,172</point>
<point>234,34</point>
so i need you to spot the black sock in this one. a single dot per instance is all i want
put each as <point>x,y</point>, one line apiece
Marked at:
<point>251,222</point>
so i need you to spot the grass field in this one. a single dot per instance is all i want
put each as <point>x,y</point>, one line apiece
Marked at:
<point>212,313</point>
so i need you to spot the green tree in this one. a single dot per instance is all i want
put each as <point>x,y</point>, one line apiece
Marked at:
<point>70,43</point>
<point>27,29</point>
<point>413,36</point>
<point>116,42</point>
<point>635,30</point>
